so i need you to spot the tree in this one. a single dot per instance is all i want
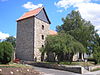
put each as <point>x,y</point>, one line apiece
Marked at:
<point>82,30</point>
<point>96,54</point>
<point>6,50</point>
<point>12,40</point>
<point>62,44</point>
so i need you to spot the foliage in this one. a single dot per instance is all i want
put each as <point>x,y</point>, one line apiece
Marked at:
<point>14,65</point>
<point>74,35</point>
<point>62,44</point>
<point>97,69</point>
<point>96,54</point>
<point>68,63</point>
<point>73,63</point>
<point>82,30</point>
<point>6,50</point>
<point>12,40</point>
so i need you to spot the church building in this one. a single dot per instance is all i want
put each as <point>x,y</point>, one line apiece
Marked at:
<point>32,30</point>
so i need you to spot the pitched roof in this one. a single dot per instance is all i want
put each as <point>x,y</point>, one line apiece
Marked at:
<point>30,13</point>
<point>52,32</point>
<point>33,13</point>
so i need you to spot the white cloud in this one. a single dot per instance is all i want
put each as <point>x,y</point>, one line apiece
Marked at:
<point>15,36</point>
<point>88,10</point>
<point>59,10</point>
<point>3,36</point>
<point>91,12</point>
<point>31,6</point>
<point>67,3</point>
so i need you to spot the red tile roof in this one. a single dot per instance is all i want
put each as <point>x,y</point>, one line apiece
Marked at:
<point>30,13</point>
<point>52,32</point>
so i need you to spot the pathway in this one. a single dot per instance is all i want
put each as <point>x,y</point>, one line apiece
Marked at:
<point>47,71</point>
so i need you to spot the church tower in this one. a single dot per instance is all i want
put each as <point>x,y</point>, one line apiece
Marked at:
<point>32,30</point>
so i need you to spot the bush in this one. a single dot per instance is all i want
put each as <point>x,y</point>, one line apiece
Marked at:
<point>96,55</point>
<point>6,50</point>
<point>16,60</point>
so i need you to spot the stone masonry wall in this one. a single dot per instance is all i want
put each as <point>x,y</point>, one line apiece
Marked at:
<point>38,41</point>
<point>24,44</point>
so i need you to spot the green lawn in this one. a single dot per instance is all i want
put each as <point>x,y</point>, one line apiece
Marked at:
<point>14,65</point>
<point>96,69</point>
<point>73,63</point>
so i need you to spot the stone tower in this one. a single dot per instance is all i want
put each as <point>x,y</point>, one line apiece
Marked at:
<point>32,28</point>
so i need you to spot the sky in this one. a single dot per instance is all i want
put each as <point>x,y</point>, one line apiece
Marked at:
<point>11,10</point>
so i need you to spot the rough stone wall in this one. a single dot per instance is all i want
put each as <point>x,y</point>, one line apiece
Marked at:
<point>24,44</point>
<point>38,41</point>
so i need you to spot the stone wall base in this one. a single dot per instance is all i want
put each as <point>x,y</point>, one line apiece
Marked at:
<point>75,69</point>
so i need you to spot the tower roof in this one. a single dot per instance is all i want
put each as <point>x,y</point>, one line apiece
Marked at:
<point>32,13</point>
<point>52,32</point>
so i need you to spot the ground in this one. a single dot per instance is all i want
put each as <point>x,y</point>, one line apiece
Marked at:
<point>48,71</point>
<point>18,69</point>
<point>38,71</point>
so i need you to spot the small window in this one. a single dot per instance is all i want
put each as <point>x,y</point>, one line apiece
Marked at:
<point>42,46</point>
<point>42,37</point>
<point>42,27</point>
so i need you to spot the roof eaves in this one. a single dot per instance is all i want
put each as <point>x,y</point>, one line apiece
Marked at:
<point>24,18</point>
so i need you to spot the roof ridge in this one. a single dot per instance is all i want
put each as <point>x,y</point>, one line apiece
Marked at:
<point>40,10</point>
<point>34,9</point>
<point>30,13</point>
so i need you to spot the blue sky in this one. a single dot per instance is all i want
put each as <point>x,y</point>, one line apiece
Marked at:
<point>10,10</point>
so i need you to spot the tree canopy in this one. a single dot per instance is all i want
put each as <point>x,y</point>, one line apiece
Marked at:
<point>75,35</point>
<point>6,50</point>
<point>63,43</point>
<point>82,30</point>
<point>12,40</point>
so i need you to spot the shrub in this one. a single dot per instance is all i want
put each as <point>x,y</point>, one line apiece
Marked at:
<point>96,55</point>
<point>16,60</point>
<point>6,50</point>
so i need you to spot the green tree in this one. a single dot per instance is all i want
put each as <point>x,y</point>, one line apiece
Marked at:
<point>96,54</point>
<point>6,50</point>
<point>12,40</point>
<point>61,45</point>
<point>82,30</point>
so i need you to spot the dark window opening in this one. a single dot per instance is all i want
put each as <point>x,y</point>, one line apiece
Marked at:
<point>42,27</point>
<point>42,46</point>
<point>42,37</point>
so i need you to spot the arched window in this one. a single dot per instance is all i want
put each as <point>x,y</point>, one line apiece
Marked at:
<point>42,27</point>
<point>42,37</point>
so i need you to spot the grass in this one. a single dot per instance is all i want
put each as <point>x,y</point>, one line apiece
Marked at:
<point>20,65</point>
<point>96,69</point>
<point>78,63</point>
<point>68,63</point>
<point>73,63</point>
<point>50,62</point>
<point>12,65</point>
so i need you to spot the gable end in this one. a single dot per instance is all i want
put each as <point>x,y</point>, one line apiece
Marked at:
<point>43,16</point>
